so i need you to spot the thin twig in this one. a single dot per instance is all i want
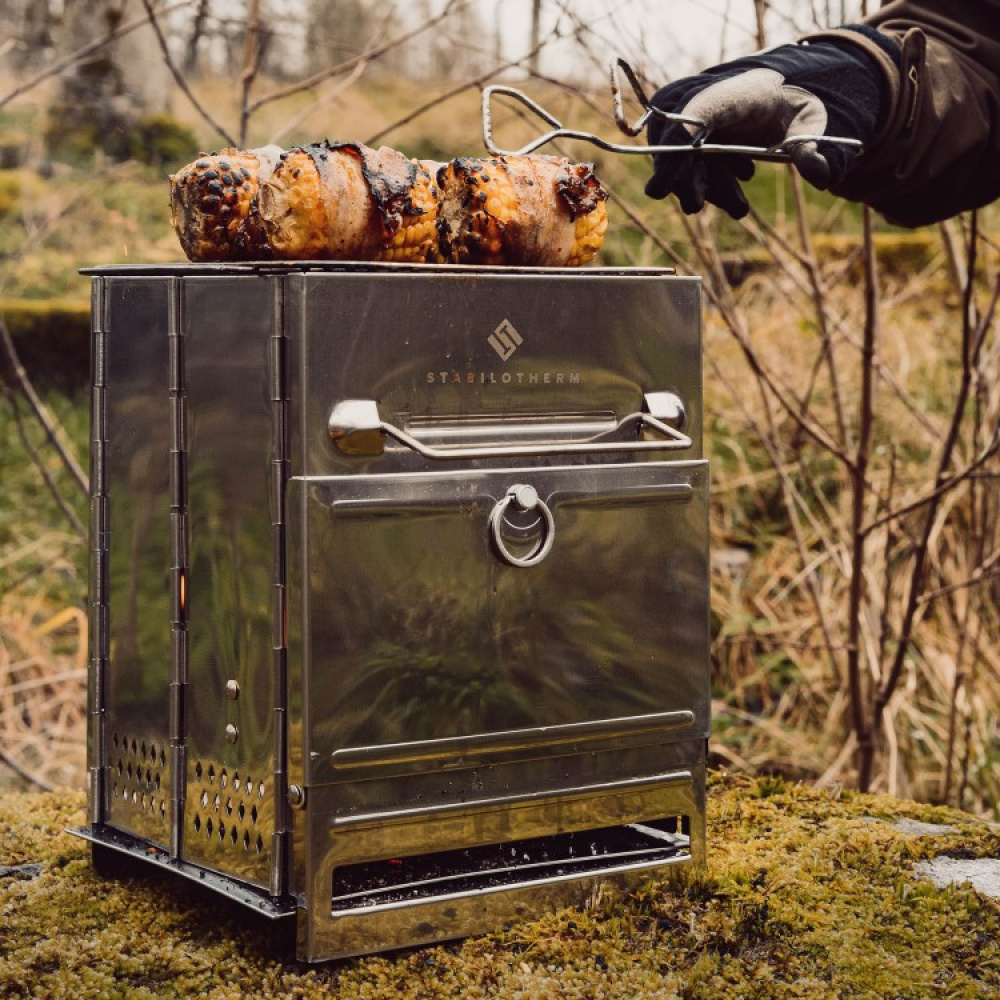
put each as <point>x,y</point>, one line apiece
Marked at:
<point>179,76</point>
<point>252,56</point>
<point>369,56</point>
<point>80,54</point>
<point>40,410</point>
<point>972,341</point>
<point>859,474</point>
<point>39,464</point>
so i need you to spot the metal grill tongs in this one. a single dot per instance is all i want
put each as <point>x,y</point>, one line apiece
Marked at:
<point>779,153</point>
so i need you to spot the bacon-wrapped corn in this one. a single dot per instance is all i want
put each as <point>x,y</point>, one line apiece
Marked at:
<point>526,210</point>
<point>345,201</point>
<point>214,205</point>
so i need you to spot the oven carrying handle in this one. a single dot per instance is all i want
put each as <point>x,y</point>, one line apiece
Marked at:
<point>779,153</point>
<point>356,428</point>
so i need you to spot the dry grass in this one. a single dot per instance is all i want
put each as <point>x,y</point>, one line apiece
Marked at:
<point>43,677</point>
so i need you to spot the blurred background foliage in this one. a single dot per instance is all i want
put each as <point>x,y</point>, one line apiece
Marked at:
<point>101,99</point>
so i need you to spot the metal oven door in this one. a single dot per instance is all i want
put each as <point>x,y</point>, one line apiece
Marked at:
<point>441,605</point>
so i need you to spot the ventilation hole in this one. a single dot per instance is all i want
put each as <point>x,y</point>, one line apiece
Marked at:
<point>114,740</point>
<point>142,801</point>
<point>134,796</point>
<point>209,826</point>
<point>124,795</point>
<point>215,803</point>
<point>222,831</point>
<point>204,799</point>
<point>229,807</point>
<point>114,792</point>
<point>246,840</point>
<point>128,770</point>
<point>211,774</point>
<point>119,768</point>
<point>260,791</point>
<point>163,808</point>
<point>156,780</point>
<point>163,758</point>
<point>259,844</point>
<point>241,811</point>
<point>152,753</point>
<point>197,770</point>
<point>149,777</point>
<point>236,781</point>
<point>253,815</point>
<point>135,748</point>
<point>233,836</point>
<point>249,785</point>
<point>197,823</point>
<point>142,750</point>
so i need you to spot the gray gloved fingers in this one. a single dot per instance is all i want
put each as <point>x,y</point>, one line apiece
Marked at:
<point>812,164</point>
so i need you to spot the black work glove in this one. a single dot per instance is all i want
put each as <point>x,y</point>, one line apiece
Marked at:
<point>820,88</point>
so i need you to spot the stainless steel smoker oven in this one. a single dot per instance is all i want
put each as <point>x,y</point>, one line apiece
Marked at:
<point>399,588</point>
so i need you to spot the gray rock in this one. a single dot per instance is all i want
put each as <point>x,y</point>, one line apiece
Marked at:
<point>983,874</point>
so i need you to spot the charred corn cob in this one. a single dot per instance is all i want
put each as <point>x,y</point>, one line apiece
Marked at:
<point>527,210</point>
<point>344,201</point>
<point>213,203</point>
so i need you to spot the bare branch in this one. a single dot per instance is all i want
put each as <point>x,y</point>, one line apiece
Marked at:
<point>40,410</point>
<point>859,473</point>
<point>179,76</point>
<point>42,468</point>
<point>80,54</point>
<point>344,67</point>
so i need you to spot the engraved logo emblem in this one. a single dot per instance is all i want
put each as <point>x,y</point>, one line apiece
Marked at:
<point>505,340</point>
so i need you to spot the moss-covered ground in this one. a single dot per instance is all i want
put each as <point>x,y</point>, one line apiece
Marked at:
<point>806,894</point>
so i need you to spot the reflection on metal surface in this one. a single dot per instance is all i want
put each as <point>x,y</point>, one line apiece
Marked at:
<point>478,746</point>
<point>434,639</point>
<point>137,692</point>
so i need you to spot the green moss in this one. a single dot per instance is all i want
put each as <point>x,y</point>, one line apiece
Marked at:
<point>159,140</point>
<point>52,338</point>
<point>806,894</point>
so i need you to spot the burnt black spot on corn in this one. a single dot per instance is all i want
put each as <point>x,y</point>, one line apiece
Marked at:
<point>214,205</point>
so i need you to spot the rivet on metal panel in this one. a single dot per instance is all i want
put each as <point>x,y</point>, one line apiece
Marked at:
<point>232,733</point>
<point>296,796</point>
<point>232,690</point>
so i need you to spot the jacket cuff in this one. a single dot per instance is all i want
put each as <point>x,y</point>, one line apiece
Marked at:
<point>885,50</point>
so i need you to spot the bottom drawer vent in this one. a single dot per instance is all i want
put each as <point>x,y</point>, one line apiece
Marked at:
<point>518,862</point>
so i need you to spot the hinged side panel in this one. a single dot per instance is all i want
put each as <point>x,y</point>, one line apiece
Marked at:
<point>232,458</point>
<point>135,519</point>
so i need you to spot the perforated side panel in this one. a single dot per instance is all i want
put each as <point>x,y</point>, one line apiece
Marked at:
<point>229,820</point>
<point>138,784</point>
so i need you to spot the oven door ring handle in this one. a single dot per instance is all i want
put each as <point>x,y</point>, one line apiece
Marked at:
<point>525,498</point>
<point>356,428</point>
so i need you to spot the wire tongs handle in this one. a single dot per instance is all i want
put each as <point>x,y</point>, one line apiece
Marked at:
<point>778,153</point>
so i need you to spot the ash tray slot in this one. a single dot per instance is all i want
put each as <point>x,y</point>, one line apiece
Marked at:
<point>506,429</point>
<point>425,877</point>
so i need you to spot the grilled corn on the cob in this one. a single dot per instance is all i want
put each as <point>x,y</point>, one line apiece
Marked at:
<point>345,201</point>
<point>528,210</point>
<point>213,202</point>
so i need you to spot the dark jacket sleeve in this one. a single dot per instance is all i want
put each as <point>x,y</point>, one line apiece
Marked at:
<point>938,150</point>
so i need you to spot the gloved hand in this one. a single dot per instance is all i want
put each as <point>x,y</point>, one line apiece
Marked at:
<point>820,88</point>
